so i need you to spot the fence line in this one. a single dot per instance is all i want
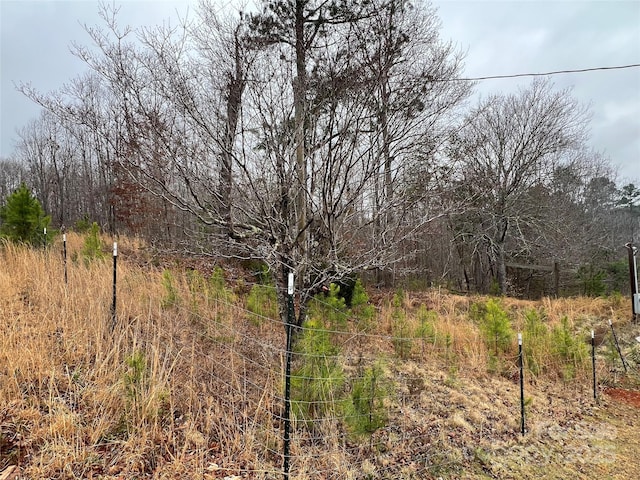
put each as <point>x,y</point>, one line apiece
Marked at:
<point>248,348</point>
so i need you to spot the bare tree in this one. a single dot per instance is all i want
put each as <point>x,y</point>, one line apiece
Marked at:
<point>510,146</point>
<point>12,174</point>
<point>269,130</point>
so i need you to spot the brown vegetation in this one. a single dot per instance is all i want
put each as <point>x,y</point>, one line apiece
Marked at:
<point>189,384</point>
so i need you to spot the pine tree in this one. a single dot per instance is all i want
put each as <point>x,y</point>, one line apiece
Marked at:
<point>22,216</point>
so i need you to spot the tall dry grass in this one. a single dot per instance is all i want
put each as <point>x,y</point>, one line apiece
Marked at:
<point>79,399</point>
<point>189,385</point>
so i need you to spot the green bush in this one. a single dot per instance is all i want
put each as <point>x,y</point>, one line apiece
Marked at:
<point>572,352</point>
<point>217,287</point>
<point>317,383</point>
<point>262,302</point>
<point>92,247</point>
<point>361,309</point>
<point>22,217</point>
<point>496,327</point>
<point>83,224</point>
<point>426,330</point>
<point>537,342</point>
<point>364,410</point>
<point>592,281</point>
<point>331,308</point>
<point>618,275</point>
<point>170,298</point>
<point>401,331</point>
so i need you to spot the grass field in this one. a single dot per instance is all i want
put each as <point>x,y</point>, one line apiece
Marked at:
<point>189,382</point>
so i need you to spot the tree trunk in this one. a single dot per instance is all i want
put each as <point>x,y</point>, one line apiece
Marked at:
<point>235,88</point>
<point>300,86</point>
<point>501,268</point>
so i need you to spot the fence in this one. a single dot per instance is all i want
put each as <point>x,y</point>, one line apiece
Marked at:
<point>368,398</point>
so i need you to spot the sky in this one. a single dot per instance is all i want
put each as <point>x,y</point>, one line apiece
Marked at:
<point>499,38</point>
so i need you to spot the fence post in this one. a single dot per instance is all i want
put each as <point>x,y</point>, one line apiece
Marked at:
<point>521,364</point>
<point>593,364</point>
<point>633,282</point>
<point>64,255</point>
<point>615,338</point>
<point>44,238</point>
<point>115,277</point>
<point>287,380</point>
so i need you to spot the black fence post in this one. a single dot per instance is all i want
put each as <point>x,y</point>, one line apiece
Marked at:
<point>115,277</point>
<point>615,339</point>
<point>521,364</point>
<point>633,281</point>
<point>64,255</point>
<point>44,238</point>
<point>593,364</point>
<point>287,381</point>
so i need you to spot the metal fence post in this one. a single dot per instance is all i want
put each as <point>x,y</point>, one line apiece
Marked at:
<point>115,277</point>
<point>633,281</point>
<point>287,381</point>
<point>593,363</point>
<point>64,255</point>
<point>521,364</point>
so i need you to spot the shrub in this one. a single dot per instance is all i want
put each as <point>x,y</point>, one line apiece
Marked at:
<point>92,247</point>
<point>536,345</point>
<point>23,219</point>
<point>217,287</point>
<point>571,351</point>
<point>262,301</point>
<point>316,384</point>
<point>83,224</point>
<point>331,307</point>
<point>361,309</point>
<point>365,411</point>
<point>592,281</point>
<point>496,327</point>
<point>170,298</point>
<point>426,330</point>
<point>402,334</point>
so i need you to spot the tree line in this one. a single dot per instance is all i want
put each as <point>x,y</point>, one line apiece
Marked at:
<point>324,138</point>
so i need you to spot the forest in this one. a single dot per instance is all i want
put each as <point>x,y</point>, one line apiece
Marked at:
<point>327,139</point>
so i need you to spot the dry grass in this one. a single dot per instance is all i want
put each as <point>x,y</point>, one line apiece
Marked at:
<point>187,386</point>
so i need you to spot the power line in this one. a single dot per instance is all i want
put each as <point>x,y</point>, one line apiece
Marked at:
<point>542,74</point>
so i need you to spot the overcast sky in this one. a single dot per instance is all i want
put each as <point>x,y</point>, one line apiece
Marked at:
<point>499,38</point>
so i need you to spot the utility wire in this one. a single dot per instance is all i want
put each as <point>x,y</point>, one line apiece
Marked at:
<point>540,74</point>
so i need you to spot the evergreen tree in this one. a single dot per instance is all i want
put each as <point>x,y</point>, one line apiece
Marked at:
<point>22,216</point>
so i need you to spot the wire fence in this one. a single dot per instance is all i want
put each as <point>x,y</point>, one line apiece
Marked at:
<point>366,403</point>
